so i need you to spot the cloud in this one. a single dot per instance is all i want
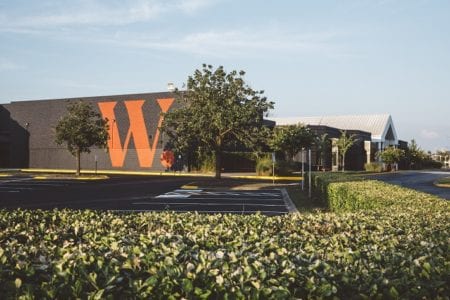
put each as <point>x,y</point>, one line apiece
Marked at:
<point>247,42</point>
<point>429,134</point>
<point>7,65</point>
<point>101,13</point>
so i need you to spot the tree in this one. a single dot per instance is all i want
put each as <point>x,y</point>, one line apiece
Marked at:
<point>80,129</point>
<point>291,139</point>
<point>220,109</point>
<point>414,155</point>
<point>322,143</point>
<point>344,143</point>
<point>391,155</point>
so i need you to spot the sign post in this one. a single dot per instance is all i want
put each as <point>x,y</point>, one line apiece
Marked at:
<point>96,160</point>
<point>303,169</point>
<point>309,173</point>
<point>273,168</point>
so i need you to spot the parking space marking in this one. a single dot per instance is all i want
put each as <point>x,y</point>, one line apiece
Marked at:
<point>267,212</point>
<point>211,201</point>
<point>206,203</point>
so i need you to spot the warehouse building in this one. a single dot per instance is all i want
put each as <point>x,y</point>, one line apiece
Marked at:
<point>27,133</point>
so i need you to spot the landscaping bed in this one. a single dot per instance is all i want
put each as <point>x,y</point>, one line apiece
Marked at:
<point>381,241</point>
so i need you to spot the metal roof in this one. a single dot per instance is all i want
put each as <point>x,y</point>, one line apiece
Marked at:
<point>378,125</point>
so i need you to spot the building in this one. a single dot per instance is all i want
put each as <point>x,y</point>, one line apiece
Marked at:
<point>27,133</point>
<point>372,133</point>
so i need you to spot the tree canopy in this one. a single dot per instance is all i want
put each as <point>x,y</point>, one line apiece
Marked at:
<point>80,129</point>
<point>323,145</point>
<point>391,155</point>
<point>219,109</point>
<point>291,139</point>
<point>344,143</point>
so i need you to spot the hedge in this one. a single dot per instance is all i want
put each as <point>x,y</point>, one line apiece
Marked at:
<point>380,242</point>
<point>85,254</point>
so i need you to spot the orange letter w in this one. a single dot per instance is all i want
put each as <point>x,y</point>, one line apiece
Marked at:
<point>137,129</point>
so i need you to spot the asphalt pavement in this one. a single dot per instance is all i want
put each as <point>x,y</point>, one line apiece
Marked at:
<point>136,194</point>
<point>417,180</point>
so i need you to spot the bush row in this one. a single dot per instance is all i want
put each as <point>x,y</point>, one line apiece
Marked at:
<point>67,254</point>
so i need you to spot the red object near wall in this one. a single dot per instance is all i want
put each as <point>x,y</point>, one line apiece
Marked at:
<point>167,158</point>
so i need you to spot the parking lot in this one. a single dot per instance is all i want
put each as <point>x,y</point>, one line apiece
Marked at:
<point>135,194</point>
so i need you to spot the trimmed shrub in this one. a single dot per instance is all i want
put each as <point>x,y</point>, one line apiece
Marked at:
<point>85,254</point>
<point>264,166</point>
<point>373,167</point>
<point>381,242</point>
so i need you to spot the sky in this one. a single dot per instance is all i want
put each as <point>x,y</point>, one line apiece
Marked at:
<point>310,57</point>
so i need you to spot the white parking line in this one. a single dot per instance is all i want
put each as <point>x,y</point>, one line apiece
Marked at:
<point>15,188</point>
<point>205,203</point>
<point>217,198</point>
<point>199,211</point>
<point>171,195</point>
<point>14,180</point>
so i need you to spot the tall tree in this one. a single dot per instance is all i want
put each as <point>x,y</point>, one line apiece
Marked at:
<point>344,143</point>
<point>291,139</point>
<point>322,143</point>
<point>220,108</point>
<point>80,129</point>
<point>415,155</point>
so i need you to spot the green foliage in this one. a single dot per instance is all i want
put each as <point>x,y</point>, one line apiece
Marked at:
<point>323,146</point>
<point>264,166</point>
<point>220,110</point>
<point>80,129</point>
<point>364,254</point>
<point>380,242</point>
<point>419,159</point>
<point>373,167</point>
<point>291,139</point>
<point>344,143</point>
<point>208,164</point>
<point>391,155</point>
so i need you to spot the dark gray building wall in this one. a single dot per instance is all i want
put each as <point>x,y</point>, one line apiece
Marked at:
<point>32,123</point>
<point>355,157</point>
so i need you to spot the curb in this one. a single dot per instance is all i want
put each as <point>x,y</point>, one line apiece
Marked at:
<point>190,187</point>
<point>288,202</point>
<point>276,178</point>
<point>101,177</point>
<point>441,185</point>
<point>115,172</point>
<point>173,174</point>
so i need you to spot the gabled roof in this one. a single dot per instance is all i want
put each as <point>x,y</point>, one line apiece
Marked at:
<point>377,125</point>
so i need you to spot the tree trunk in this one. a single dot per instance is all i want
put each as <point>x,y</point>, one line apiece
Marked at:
<point>78,162</point>
<point>218,156</point>
<point>343,162</point>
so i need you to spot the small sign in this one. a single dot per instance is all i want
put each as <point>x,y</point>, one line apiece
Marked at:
<point>96,157</point>
<point>273,157</point>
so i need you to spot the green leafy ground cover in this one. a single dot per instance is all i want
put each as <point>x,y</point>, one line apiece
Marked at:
<point>444,181</point>
<point>395,247</point>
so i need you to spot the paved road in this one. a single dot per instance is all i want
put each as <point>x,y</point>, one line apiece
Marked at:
<point>418,180</point>
<point>125,193</point>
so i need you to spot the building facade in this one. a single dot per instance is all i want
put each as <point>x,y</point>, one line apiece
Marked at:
<point>373,133</point>
<point>27,133</point>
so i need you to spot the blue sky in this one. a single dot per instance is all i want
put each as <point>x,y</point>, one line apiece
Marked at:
<point>311,57</point>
